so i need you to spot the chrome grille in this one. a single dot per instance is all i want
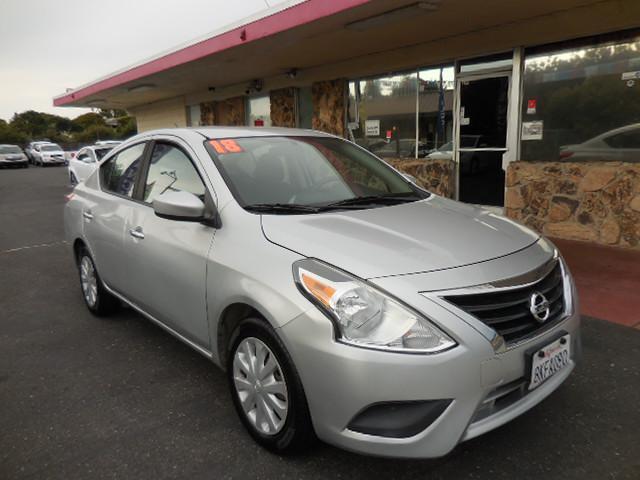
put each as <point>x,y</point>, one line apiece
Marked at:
<point>507,311</point>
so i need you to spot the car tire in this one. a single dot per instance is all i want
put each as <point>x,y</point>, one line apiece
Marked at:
<point>280,433</point>
<point>96,297</point>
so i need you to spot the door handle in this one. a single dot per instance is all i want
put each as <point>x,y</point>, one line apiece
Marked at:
<point>88,215</point>
<point>137,233</point>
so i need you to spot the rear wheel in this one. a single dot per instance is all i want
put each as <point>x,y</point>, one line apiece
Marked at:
<point>98,300</point>
<point>266,389</point>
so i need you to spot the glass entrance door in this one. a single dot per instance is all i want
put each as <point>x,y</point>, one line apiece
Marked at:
<point>483,107</point>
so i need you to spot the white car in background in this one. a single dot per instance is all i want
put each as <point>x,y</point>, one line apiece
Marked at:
<point>112,143</point>
<point>31,148</point>
<point>618,145</point>
<point>48,154</point>
<point>85,161</point>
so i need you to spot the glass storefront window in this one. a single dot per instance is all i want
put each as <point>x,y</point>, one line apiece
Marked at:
<point>582,104</point>
<point>385,119</point>
<point>259,111</point>
<point>194,115</point>
<point>435,107</point>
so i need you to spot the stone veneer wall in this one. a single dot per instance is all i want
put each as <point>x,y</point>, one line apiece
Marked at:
<point>437,176</point>
<point>595,202</point>
<point>329,106</point>
<point>228,112</point>
<point>283,107</point>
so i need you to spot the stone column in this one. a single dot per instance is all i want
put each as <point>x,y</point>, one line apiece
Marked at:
<point>228,112</point>
<point>329,106</point>
<point>283,107</point>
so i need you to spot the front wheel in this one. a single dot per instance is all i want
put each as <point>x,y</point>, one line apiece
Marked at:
<point>98,300</point>
<point>266,389</point>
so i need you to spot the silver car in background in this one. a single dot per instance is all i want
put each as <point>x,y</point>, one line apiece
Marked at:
<point>13,156</point>
<point>343,301</point>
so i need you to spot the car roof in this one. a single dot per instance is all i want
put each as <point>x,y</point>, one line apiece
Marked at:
<point>626,128</point>
<point>238,132</point>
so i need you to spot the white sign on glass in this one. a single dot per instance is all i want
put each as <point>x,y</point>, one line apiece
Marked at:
<point>372,128</point>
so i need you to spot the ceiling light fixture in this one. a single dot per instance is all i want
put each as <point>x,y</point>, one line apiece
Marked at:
<point>398,14</point>
<point>142,87</point>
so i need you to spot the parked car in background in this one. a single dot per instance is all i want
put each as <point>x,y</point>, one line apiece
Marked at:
<point>444,152</point>
<point>12,156</point>
<point>29,151</point>
<point>618,145</point>
<point>85,161</point>
<point>342,300</point>
<point>48,154</point>
<point>112,143</point>
<point>402,148</point>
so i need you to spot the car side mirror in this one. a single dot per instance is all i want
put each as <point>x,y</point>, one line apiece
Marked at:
<point>183,206</point>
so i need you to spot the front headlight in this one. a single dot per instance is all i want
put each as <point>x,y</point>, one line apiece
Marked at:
<point>365,316</point>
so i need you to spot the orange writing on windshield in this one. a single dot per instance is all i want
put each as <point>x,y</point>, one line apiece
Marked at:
<point>228,145</point>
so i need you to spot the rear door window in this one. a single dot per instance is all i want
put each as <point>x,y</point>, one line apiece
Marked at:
<point>119,174</point>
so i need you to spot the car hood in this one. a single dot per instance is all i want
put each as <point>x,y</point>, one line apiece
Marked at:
<point>432,234</point>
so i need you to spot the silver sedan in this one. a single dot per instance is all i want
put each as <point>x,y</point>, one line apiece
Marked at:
<point>343,301</point>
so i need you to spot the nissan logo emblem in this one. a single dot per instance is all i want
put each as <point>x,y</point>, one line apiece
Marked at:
<point>539,307</point>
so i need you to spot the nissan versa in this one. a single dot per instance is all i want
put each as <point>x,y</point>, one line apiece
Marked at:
<point>342,300</point>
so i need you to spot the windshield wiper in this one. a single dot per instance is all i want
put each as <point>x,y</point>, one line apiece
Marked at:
<point>282,208</point>
<point>375,199</point>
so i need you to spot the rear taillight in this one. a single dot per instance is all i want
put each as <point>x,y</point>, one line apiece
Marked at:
<point>565,154</point>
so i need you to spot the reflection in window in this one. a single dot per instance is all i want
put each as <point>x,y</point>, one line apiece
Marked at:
<point>259,111</point>
<point>435,124</point>
<point>384,119</point>
<point>171,170</point>
<point>583,104</point>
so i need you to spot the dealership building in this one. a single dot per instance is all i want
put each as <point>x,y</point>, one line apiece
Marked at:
<point>530,107</point>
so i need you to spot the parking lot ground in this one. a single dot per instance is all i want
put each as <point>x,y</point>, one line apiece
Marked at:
<point>82,397</point>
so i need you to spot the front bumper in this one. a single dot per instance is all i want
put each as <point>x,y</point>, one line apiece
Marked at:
<point>54,161</point>
<point>12,163</point>
<point>486,389</point>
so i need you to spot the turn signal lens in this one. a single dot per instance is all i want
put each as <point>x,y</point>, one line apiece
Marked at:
<point>321,291</point>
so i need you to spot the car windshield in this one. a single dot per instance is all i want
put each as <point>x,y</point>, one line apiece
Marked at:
<point>101,152</point>
<point>50,148</point>
<point>5,149</point>
<point>308,173</point>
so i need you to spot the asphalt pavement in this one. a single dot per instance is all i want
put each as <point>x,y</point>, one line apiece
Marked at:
<point>85,398</point>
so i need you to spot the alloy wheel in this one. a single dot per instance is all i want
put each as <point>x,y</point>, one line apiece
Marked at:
<point>88,281</point>
<point>260,386</point>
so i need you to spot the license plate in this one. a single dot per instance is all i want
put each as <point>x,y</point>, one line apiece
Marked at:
<point>549,360</point>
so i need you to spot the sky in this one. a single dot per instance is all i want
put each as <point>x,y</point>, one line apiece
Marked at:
<point>47,46</point>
